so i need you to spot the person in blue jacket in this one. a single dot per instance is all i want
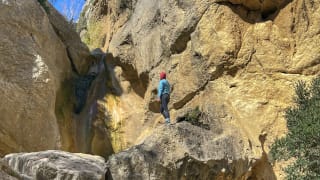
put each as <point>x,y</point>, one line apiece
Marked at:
<point>164,96</point>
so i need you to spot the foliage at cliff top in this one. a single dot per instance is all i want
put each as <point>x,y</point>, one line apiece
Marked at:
<point>302,141</point>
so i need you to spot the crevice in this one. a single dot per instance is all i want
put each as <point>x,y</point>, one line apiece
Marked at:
<point>73,66</point>
<point>127,40</point>
<point>82,87</point>
<point>305,15</point>
<point>185,100</point>
<point>180,44</point>
<point>108,175</point>
<point>181,103</point>
<point>253,51</point>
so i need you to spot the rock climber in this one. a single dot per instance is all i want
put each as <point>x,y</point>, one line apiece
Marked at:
<point>164,96</point>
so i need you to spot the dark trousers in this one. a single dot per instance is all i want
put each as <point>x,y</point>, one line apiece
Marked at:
<point>164,100</point>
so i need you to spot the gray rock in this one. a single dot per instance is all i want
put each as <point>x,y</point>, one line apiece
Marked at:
<point>181,151</point>
<point>57,165</point>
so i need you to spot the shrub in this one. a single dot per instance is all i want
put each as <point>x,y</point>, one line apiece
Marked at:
<point>302,143</point>
<point>94,37</point>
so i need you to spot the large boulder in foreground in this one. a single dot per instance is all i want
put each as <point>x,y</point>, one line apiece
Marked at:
<point>57,165</point>
<point>185,151</point>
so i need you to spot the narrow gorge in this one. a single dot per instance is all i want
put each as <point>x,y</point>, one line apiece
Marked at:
<point>81,102</point>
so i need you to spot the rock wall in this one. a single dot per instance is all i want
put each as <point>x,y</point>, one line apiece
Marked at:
<point>40,53</point>
<point>238,60</point>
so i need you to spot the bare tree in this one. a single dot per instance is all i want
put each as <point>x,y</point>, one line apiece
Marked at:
<point>71,9</point>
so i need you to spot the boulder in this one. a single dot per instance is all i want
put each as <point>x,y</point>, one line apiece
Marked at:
<point>57,165</point>
<point>185,151</point>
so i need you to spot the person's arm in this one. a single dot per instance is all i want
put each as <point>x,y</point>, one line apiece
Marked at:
<point>160,89</point>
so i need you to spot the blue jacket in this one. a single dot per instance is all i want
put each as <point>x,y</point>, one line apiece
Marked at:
<point>164,87</point>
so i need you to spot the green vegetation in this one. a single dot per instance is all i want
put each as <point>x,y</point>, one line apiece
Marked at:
<point>302,143</point>
<point>43,3</point>
<point>94,37</point>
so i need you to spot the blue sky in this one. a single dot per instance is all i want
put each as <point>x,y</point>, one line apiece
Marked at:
<point>69,8</point>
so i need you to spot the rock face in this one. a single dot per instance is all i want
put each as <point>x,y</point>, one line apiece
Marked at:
<point>238,60</point>
<point>57,165</point>
<point>39,53</point>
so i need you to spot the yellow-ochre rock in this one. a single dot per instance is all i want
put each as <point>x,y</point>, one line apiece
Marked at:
<point>232,66</point>
<point>237,60</point>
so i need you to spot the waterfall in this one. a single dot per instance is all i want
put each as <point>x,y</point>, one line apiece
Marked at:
<point>89,89</point>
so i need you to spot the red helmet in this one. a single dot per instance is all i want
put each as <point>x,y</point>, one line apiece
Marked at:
<point>162,75</point>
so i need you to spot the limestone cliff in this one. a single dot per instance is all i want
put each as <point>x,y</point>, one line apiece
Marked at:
<point>40,54</point>
<point>232,65</point>
<point>237,60</point>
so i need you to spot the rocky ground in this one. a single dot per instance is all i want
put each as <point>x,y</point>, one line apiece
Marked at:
<point>178,151</point>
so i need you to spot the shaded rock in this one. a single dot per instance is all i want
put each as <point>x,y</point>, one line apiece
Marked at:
<point>266,7</point>
<point>57,165</point>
